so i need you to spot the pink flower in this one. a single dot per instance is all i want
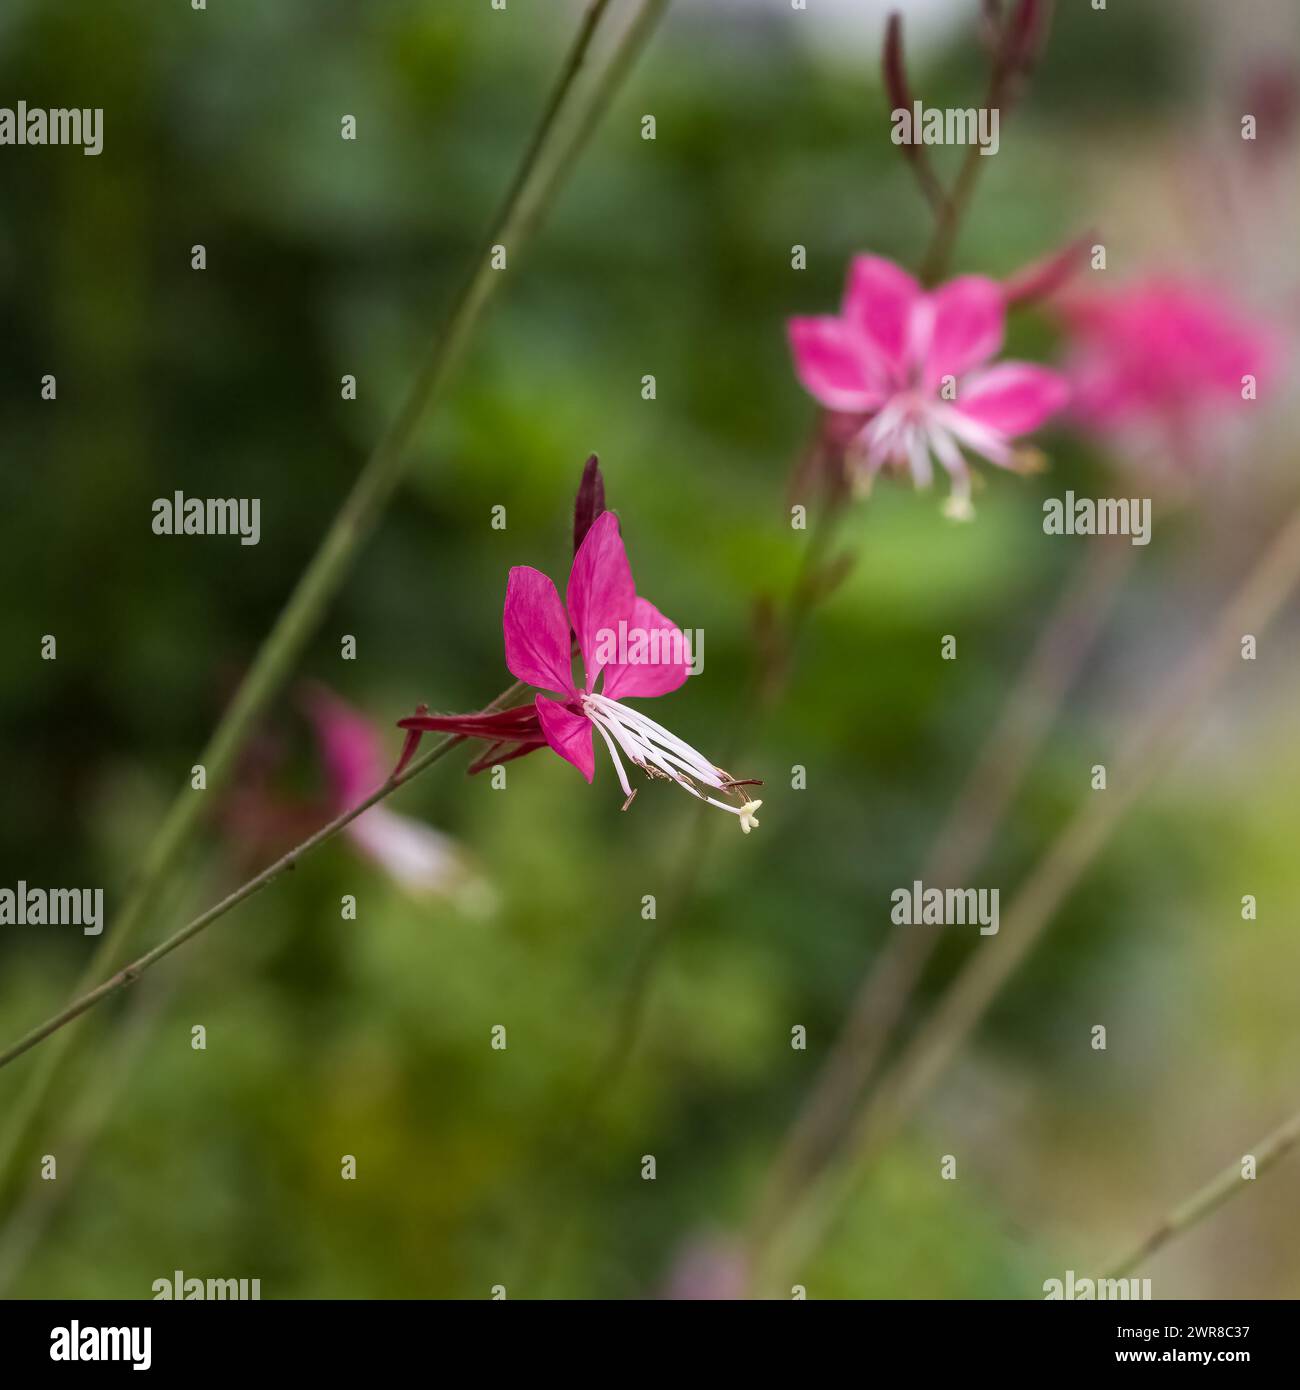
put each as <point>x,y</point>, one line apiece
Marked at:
<point>1155,363</point>
<point>628,648</point>
<point>912,363</point>
<point>419,858</point>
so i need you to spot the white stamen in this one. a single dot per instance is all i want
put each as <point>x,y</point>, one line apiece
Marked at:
<point>658,752</point>
<point>910,430</point>
<point>958,507</point>
<point>618,762</point>
<point>987,442</point>
<point>918,454</point>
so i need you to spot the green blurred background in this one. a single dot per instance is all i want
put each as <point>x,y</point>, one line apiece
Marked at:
<point>672,257</point>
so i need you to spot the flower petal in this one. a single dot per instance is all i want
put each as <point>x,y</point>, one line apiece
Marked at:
<point>1013,397</point>
<point>879,302</point>
<point>968,319</point>
<point>1160,351</point>
<point>830,360</point>
<point>568,733</point>
<point>537,632</point>
<point>650,635</point>
<point>601,593</point>
<point>350,745</point>
<point>517,730</point>
<point>517,722</point>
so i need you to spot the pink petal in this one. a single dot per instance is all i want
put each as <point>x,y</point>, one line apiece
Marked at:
<point>1160,350</point>
<point>968,322</point>
<point>1013,397</point>
<point>643,677</point>
<point>830,362</point>
<point>569,734</point>
<point>518,722</point>
<point>879,302</point>
<point>601,593</point>
<point>536,631</point>
<point>351,747</point>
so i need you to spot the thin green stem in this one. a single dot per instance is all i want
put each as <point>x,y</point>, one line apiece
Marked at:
<point>528,196</point>
<point>129,974</point>
<point>615,72</point>
<point>1209,1198</point>
<point>934,264</point>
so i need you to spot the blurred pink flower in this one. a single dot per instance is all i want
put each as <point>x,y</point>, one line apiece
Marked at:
<point>1152,365</point>
<point>602,605</point>
<point>418,857</point>
<point>708,1270</point>
<point>912,363</point>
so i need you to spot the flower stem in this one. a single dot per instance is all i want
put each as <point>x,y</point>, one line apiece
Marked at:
<point>1209,1198</point>
<point>531,190</point>
<point>1011,61</point>
<point>132,972</point>
<point>935,263</point>
<point>900,97</point>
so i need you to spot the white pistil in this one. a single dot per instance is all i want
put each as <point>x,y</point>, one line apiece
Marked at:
<point>660,753</point>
